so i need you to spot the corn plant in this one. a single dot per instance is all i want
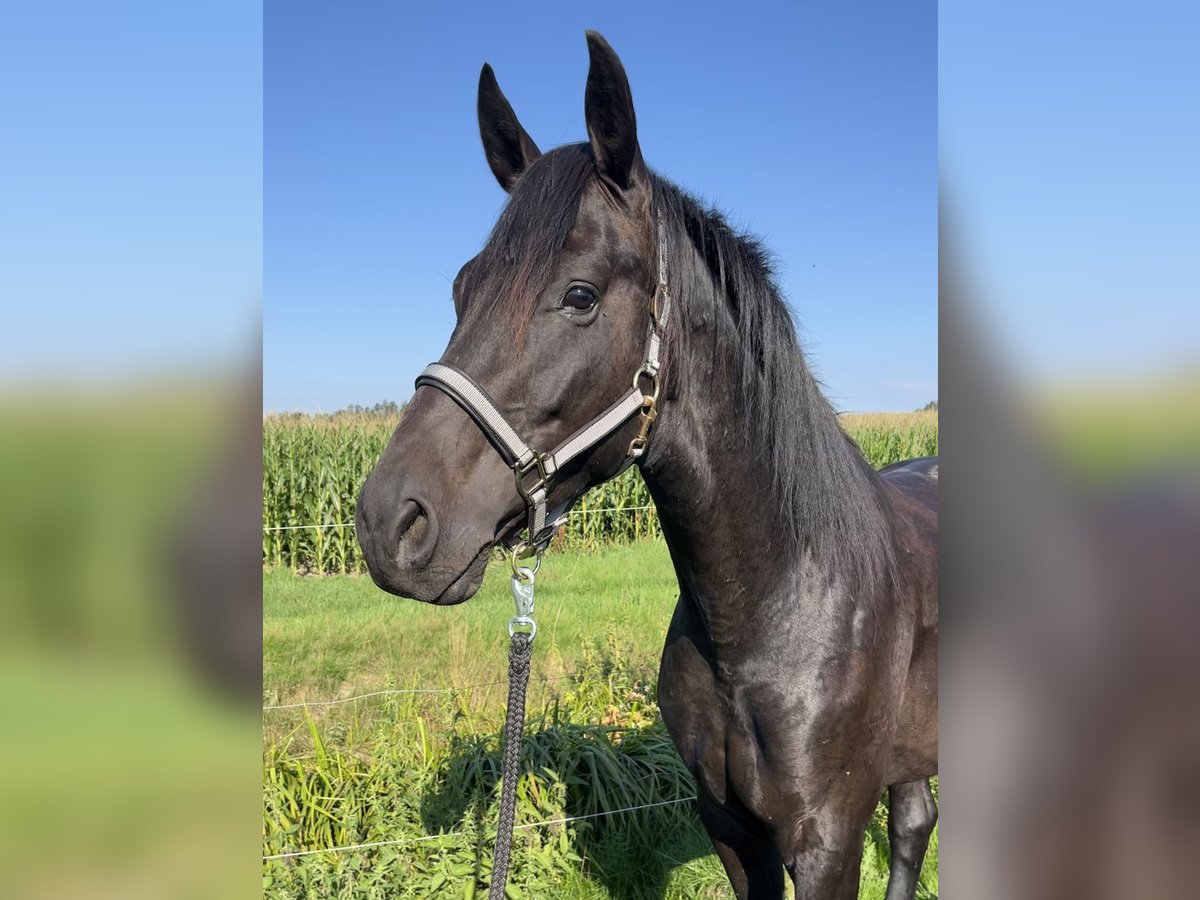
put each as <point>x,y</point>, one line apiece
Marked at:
<point>313,468</point>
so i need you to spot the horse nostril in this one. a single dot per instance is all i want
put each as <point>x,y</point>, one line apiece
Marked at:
<point>411,527</point>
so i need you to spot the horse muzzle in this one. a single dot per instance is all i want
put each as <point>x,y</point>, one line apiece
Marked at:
<point>405,553</point>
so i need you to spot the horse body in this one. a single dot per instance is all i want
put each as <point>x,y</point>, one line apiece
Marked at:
<point>795,692</point>
<point>799,674</point>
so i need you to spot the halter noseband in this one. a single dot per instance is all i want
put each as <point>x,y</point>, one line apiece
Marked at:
<point>534,471</point>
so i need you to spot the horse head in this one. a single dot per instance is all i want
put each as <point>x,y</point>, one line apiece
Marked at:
<point>551,328</point>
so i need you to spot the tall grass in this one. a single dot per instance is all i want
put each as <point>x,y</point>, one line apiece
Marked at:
<point>423,779</point>
<point>421,769</point>
<point>314,466</point>
<point>432,767</point>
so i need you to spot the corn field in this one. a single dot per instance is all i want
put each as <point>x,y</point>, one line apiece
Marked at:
<point>313,468</point>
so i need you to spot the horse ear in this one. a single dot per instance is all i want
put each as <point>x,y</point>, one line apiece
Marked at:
<point>611,124</point>
<point>509,149</point>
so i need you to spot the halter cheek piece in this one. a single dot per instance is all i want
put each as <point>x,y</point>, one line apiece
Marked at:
<point>535,471</point>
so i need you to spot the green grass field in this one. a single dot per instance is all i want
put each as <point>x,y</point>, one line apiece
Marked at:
<point>408,767</point>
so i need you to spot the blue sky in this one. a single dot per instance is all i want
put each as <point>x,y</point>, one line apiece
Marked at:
<point>132,199</point>
<point>813,126</point>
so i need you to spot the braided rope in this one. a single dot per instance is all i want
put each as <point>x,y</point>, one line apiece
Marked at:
<point>519,653</point>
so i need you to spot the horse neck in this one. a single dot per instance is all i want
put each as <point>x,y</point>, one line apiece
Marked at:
<point>738,555</point>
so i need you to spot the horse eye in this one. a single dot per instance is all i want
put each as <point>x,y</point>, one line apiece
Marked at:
<point>580,298</point>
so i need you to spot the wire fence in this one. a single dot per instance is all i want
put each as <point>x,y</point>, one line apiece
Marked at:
<point>308,704</point>
<point>574,512</point>
<point>305,704</point>
<point>450,834</point>
<point>392,691</point>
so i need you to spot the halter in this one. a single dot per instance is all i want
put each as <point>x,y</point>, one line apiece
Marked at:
<point>533,471</point>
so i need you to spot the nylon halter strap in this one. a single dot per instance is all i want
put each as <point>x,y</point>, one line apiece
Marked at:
<point>534,471</point>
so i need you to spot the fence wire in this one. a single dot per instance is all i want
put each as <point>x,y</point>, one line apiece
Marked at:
<point>389,691</point>
<point>450,834</point>
<point>291,854</point>
<point>312,703</point>
<point>575,512</point>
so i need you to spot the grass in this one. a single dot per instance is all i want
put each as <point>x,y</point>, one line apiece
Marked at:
<point>419,771</point>
<point>325,637</point>
<point>410,767</point>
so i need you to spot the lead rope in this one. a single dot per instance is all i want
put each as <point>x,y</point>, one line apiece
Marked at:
<point>521,627</point>
<point>520,649</point>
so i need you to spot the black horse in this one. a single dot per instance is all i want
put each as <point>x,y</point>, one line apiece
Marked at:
<point>799,676</point>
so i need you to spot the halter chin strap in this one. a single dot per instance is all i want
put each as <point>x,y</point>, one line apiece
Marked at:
<point>534,471</point>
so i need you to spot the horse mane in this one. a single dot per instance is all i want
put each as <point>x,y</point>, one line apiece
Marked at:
<point>724,285</point>
<point>831,498</point>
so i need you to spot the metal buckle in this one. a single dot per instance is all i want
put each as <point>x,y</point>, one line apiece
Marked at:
<point>538,464</point>
<point>522,591</point>
<point>649,413</point>
<point>652,397</point>
<point>524,550</point>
